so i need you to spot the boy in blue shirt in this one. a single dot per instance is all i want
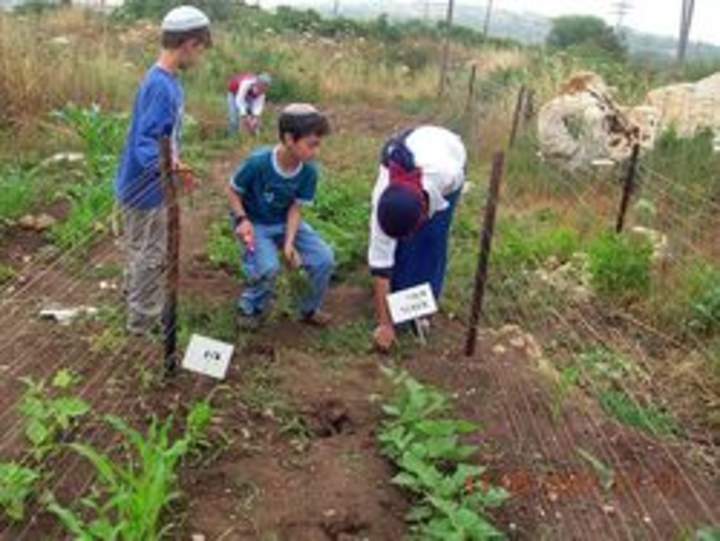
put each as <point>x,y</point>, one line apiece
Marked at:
<point>266,197</point>
<point>157,113</point>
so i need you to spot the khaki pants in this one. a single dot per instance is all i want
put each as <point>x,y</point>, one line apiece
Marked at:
<point>145,252</point>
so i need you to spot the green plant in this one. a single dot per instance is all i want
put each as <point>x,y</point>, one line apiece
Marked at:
<point>92,200</point>
<point>340,214</point>
<point>135,492</point>
<point>707,534</point>
<point>606,367</point>
<point>620,266</point>
<point>17,484</point>
<point>222,246</point>
<point>452,501</point>
<point>200,316</point>
<point>605,474</point>
<point>705,309</point>
<point>48,417</point>
<point>341,339</point>
<point>528,243</point>
<point>585,31</point>
<point>628,411</point>
<point>19,190</point>
<point>197,423</point>
<point>7,274</point>
<point>566,382</point>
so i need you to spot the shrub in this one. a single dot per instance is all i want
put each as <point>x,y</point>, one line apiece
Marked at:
<point>528,244</point>
<point>705,303</point>
<point>584,30</point>
<point>620,266</point>
<point>340,214</point>
<point>628,411</point>
<point>19,191</point>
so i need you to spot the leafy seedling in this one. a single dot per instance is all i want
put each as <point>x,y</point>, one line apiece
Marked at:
<point>17,485</point>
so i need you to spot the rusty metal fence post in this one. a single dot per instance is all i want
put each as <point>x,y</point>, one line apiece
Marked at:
<point>170,319</point>
<point>628,188</point>
<point>471,91</point>
<point>517,115</point>
<point>481,274</point>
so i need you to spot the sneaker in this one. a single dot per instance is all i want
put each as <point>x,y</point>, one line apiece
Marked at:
<point>318,318</point>
<point>140,325</point>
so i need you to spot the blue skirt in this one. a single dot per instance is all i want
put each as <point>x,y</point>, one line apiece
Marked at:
<point>423,257</point>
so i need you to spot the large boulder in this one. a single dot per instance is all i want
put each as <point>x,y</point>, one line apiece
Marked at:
<point>584,125</point>
<point>688,107</point>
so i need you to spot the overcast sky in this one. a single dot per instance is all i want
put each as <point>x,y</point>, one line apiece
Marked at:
<point>655,16</point>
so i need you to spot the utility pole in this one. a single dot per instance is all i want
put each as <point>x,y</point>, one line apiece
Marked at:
<point>446,48</point>
<point>686,17</point>
<point>622,8</point>
<point>336,8</point>
<point>488,16</point>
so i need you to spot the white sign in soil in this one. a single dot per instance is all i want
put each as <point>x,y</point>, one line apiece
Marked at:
<point>412,303</point>
<point>207,356</point>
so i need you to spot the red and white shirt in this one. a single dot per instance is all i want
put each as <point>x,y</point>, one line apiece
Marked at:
<point>246,100</point>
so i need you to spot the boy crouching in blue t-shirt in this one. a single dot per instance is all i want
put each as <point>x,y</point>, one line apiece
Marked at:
<point>266,197</point>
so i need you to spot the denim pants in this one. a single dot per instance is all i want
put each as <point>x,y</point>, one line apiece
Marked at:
<point>233,115</point>
<point>423,257</point>
<point>263,265</point>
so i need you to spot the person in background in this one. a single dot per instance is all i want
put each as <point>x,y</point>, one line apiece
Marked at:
<point>266,195</point>
<point>422,172</point>
<point>157,113</point>
<point>246,101</point>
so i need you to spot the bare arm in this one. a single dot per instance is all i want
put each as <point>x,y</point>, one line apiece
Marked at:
<point>384,334</point>
<point>293,224</point>
<point>382,290</point>
<point>244,230</point>
<point>294,219</point>
<point>235,201</point>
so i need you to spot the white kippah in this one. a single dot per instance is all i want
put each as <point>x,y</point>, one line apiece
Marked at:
<point>184,18</point>
<point>300,109</point>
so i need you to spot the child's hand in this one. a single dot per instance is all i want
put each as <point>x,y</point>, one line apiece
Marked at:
<point>384,337</point>
<point>252,125</point>
<point>246,233</point>
<point>292,257</point>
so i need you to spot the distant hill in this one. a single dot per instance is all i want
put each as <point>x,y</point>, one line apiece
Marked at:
<point>528,28</point>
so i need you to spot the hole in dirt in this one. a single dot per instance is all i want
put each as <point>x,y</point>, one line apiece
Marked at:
<point>343,526</point>
<point>329,418</point>
<point>261,350</point>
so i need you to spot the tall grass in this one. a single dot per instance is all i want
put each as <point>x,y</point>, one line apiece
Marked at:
<point>48,60</point>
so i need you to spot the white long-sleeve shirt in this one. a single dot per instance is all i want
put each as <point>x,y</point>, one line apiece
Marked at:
<point>249,105</point>
<point>442,157</point>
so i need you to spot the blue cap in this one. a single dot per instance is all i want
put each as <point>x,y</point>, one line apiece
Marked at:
<point>399,211</point>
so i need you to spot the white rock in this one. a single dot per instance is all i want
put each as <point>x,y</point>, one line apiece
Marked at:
<point>39,223</point>
<point>584,125</point>
<point>688,107</point>
<point>65,316</point>
<point>64,157</point>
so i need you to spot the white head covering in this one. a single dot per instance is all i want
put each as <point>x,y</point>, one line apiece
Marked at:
<point>300,109</point>
<point>184,18</point>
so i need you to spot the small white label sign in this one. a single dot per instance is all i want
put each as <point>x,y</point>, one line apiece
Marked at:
<point>412,303</point>
<point>207,356</point>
